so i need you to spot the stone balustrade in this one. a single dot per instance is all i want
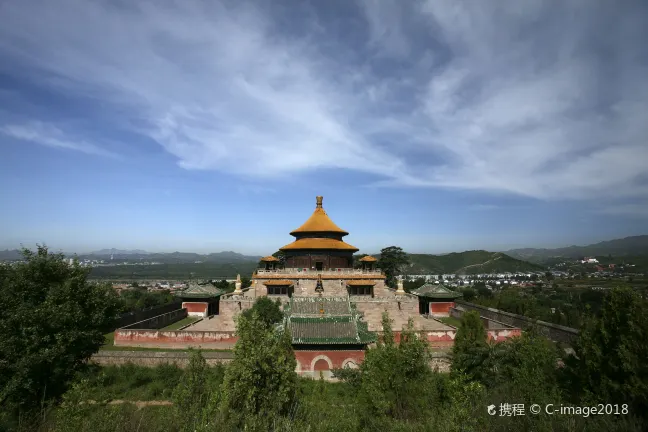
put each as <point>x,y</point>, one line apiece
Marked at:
<point>298,271</point>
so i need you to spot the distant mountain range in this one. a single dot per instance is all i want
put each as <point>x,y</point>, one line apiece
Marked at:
<point>173,257</point>
<point>635,245</point>
<point>119,252</point>
<point>119,255</point>
<point>469,262</point>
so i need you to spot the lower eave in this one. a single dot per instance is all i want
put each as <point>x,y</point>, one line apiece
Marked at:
<point>199,296</point>
<point>297,276</point>
<point>438,296</point>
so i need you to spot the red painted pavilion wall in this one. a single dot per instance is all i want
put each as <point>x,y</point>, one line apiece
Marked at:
<point>441,308</point>
<point>195,308</point>
<point>311,363</point>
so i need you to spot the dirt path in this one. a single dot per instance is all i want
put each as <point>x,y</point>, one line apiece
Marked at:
<point>138,404</point>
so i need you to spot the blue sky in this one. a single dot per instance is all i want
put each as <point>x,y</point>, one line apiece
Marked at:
<point>435,126</point>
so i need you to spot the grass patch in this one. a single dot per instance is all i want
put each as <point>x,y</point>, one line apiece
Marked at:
<point>452,321</point>
<point>139,383</point>
<point>183,322</point>
<point>109,340</point>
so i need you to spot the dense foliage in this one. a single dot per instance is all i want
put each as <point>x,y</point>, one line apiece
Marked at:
<point>57,319</point>
<point>395,379</point>
<point>610,362</point>
<point>137,299</point>
<point>268,312</point>
<point>260,384</point>
<point>392,261</point>
<point>52,321</point>
<point>470,348</point>
<point>556,303</point>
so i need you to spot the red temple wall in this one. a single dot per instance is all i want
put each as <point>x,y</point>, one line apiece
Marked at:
<point>195,308</point>
<point>175,339</point>
<point>441,308</point>
<point>325,360</point>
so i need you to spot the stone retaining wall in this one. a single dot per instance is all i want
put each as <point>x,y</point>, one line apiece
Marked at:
<point>158,322</point>
<point>439,360</point>
<point>133,317</point>
<point>175,339</point>
<point>144,358</point>
<point>554,332</point>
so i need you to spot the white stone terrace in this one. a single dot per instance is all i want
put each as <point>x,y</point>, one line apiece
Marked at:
<point>327,272</point>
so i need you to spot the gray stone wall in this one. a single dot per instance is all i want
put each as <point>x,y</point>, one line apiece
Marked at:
<point>144,358</point>
<point>133,317</point>
<point>399,310</point>
<point>229,309</point>
<point>159,321</point>
<point>554,332</point>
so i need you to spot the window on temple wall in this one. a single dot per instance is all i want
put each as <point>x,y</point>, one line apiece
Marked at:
<point>360,290</point>
<point>278,290</point>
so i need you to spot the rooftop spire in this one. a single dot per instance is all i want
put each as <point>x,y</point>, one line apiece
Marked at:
<point>319,222</point>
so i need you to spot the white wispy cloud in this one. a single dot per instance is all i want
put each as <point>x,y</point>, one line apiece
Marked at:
<point>51,136</point>
<point>531,98</point>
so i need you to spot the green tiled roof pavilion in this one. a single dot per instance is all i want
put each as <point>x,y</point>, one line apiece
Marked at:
<point>200,291</point>
<point>436,292</point>
<point>324,321</point>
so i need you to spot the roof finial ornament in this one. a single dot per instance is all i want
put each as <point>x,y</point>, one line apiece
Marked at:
<point>400,289</point>
<point>238,285</point>
<point>318,200</point>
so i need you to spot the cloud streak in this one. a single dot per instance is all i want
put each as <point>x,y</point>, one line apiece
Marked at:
<point>51,136</point>
<point>527,98</point>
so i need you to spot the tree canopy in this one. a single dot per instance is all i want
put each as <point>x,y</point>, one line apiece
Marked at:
<point>392,261</point>
<point>268,312</point>
<point>260,383</point>
<point>611,352</point>
<point>470,346</point>
<point>52,321</point>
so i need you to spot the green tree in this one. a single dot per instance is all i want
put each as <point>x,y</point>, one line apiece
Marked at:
<point>470,347</point>
<point>260,383</point>
<point>395,378</point>
<point>246,282</point>
<point>268,311</point>
<point>392,261</point>
<point>192,394</point>
<point>410,285</point>
<point>468,294</point>
<point>281,256</point>
<point>52,321</point>
<point>610,353</point>
<point>222,284</point>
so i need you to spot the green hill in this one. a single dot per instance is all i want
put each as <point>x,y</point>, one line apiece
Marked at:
<point>469,262</point>
<point>628,246</point>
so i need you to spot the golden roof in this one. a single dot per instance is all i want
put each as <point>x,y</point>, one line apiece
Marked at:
<point>368,258</point>
<point>269,259</point>
<point>281,282</point>
<point>360,282</point>
<point>319,243</point>
<point>319,222</point>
